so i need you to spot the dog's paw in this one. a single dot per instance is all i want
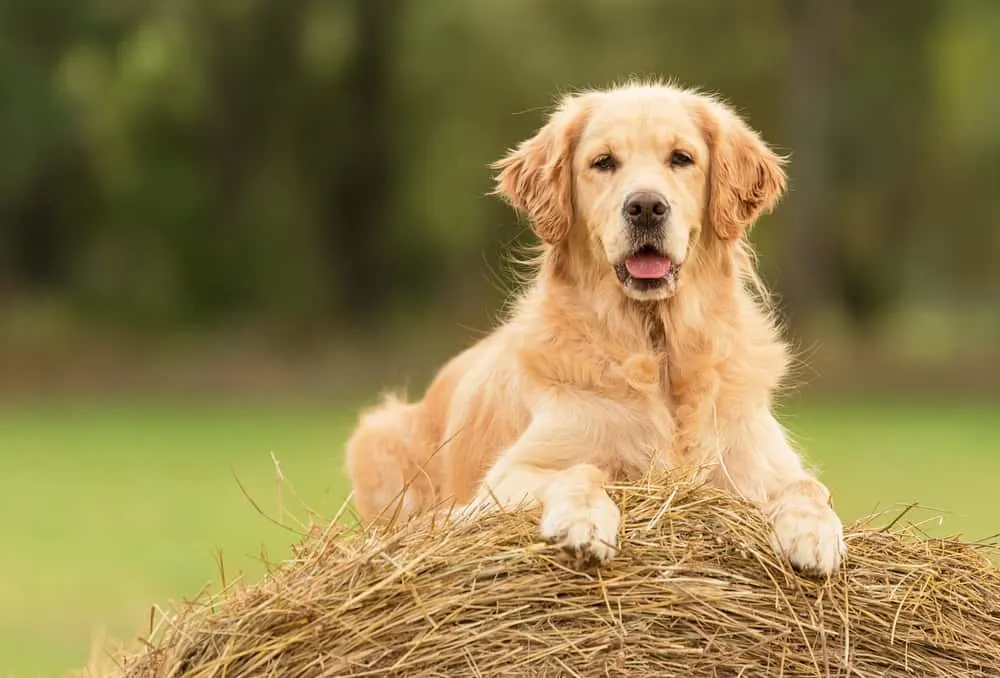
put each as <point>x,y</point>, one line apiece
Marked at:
<point>587,530</point>
<point>808,533</point>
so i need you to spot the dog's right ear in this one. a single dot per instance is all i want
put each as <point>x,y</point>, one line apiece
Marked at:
<point>536,176</point>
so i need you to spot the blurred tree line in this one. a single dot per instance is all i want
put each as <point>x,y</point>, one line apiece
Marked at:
<point>181,162</point>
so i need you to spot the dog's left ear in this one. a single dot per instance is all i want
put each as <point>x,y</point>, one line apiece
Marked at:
<point>536,176</point>
<point>746,177</point>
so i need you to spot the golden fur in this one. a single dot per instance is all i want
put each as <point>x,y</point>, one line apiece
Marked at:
<point>588,379</point>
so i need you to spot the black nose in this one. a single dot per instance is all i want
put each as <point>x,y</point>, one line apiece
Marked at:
<point>646,209</point>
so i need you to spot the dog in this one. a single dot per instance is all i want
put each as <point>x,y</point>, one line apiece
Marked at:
<point>643,341</point>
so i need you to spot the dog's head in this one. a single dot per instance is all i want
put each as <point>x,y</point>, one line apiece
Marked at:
<point>635,174</point>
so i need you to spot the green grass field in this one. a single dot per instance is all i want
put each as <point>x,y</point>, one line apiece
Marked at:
<point>109,509</point>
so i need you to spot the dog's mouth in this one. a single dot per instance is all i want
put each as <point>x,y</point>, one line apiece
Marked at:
<point>647,269</point>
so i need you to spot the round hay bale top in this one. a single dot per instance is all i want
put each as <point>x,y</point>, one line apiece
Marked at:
<point>694,591</point>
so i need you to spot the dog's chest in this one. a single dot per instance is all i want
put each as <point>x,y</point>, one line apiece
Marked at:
<point>666,394</point>
<point>653,420</point>
<point>658,345</point>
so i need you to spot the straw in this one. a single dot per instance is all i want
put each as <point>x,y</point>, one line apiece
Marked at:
<point>695,590</point>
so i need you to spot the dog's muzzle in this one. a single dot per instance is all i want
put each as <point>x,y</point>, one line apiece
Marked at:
<point>647,268</point>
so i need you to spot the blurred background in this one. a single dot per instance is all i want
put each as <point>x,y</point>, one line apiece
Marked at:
<point>224,226</point>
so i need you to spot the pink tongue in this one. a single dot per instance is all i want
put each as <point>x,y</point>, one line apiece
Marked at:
<point>647,266</point>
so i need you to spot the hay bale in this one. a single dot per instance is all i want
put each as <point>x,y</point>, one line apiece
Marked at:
<point>695,591</point>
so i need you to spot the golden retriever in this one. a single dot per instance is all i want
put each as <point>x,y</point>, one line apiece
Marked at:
<point>643,341</point>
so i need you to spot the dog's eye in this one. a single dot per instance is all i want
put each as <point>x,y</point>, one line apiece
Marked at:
<point>605,163</point>
<point>681,159</point>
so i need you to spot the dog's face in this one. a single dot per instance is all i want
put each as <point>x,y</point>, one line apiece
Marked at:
<point>640,177</point>
<point>634,174</point>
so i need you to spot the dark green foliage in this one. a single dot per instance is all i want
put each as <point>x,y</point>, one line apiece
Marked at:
<point>306,161</point>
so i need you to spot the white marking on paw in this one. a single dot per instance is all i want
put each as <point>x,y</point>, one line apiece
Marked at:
<point>808,533</point>
<point>585,529</point>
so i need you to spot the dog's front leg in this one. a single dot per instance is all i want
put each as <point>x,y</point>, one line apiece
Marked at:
<point>760,464</point>
<point>551,466</point>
